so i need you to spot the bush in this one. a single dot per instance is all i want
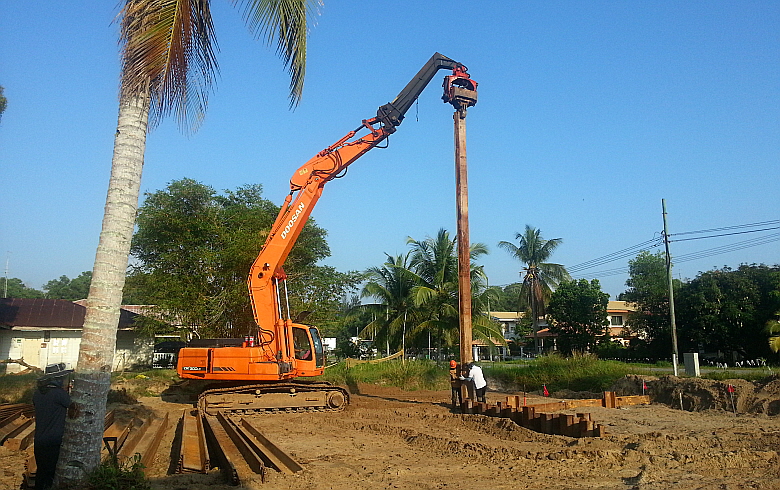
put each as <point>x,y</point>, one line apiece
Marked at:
<point>113,475</point>
<point>576,373</point>
<point>409,375</point>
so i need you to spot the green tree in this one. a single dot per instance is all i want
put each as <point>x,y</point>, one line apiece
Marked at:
<point>539,277</point>
<point>13,287</point>
<point>434,261</point>
<point>393,310</point>
<point>773,329</point>
<point>67,288</point>
<point>168,65</point>
<point>507,298</point>
<point>648,291</point>
<point>3,102</point>
<point>727,310</point>
<point>578,310</point>
<point>193,250</point>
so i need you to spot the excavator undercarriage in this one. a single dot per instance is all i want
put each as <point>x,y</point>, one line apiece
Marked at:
<point>286,396</point>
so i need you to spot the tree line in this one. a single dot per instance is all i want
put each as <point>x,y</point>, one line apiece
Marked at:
<point>193,247</point>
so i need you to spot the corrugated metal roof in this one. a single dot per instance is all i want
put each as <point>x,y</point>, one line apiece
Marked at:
<point>49,313</point>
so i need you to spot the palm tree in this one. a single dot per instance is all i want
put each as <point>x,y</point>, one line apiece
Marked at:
<point>773,329</point>
<point>391,286</point>
<point>168,65</point>
<point>540,277</point>
<point>435,264</point>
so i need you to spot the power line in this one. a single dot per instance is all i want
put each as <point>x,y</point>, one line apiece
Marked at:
<point>733,227</point>
<point>754,242</point>
<point>577,270</point>
<point>620,254</point>
<point>724,234</point>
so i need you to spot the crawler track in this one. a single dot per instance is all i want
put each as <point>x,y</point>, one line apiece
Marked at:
<point>269,398</point>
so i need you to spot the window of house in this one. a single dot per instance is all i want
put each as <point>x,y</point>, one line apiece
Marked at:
<point>617,320</point>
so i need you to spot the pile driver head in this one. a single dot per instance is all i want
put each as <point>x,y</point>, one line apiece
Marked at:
<point>459,89</point>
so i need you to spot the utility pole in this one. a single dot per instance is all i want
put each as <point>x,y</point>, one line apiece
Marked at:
<point>675,353</point>
<point>461,92</point>
<point>5,288</point>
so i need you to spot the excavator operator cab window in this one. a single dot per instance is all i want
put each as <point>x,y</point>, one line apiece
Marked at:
<point>319,353</point>
<point>302,344</point>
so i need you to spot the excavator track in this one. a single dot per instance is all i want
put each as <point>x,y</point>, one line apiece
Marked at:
<point>274,397</point>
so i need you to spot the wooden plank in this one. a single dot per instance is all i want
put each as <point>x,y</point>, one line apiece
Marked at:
<point>623,401</point>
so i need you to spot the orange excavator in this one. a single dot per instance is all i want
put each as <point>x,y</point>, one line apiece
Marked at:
<point>268,371</point>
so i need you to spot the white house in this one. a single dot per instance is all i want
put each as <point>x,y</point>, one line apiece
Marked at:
<point>48,331</point>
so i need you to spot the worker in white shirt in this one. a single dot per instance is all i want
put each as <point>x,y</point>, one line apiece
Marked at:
<point>474,375</point>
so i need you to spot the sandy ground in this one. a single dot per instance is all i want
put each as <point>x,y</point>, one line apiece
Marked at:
<point>389,439</point>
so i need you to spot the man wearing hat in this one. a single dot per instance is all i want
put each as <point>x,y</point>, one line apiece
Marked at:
<point>457,398</point>
<point>51,405</point>
<point>476,377</point>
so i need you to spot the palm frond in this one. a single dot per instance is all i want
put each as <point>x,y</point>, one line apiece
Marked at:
<point>168,52</point>
<point>284,23</point>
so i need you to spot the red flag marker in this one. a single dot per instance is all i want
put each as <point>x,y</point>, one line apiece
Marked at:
<point>546,393</point>
<point>731,389</point>
<point>644,387</point>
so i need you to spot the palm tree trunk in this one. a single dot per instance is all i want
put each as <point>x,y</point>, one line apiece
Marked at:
<point>83,438</point>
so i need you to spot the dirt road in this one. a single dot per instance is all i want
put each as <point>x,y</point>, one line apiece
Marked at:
<point>389,439</point>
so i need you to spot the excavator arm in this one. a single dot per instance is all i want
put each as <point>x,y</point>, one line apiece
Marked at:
<point>267,274</point>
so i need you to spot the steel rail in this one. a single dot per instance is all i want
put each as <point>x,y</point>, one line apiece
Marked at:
<point>272,454</point>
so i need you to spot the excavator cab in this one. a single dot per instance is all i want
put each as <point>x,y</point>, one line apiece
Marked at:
<point>309,354</point>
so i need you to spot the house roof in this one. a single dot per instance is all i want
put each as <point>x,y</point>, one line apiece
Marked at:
<point>621,306</point>
<point>49,313</point>
<point>507,315</point>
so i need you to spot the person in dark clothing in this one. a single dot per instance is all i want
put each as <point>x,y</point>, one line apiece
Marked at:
<point>51,405</point>
<point>455,383</point>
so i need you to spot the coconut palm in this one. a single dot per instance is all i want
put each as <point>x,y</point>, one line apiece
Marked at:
<point>773,329</point>
<point>168,65</point>
<point>435,264</point>
<point>539,276</point>
<point>391,286</point>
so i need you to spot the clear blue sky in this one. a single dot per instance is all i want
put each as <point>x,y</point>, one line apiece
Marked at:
<point>589,114</point>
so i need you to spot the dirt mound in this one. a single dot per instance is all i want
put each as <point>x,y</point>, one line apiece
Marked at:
<point>697,394</point>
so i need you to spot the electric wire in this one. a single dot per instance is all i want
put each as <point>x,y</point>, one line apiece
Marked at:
<point>724,234</point>
<point>577,270</point>
<point>733,227</point>
<point>620,254</point>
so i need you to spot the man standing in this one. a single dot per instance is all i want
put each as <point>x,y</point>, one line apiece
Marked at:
<point>455,383</point>
<point>476,376</point>
<point>51,405</point>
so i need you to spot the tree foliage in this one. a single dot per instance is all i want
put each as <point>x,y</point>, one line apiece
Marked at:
<point>539,276</point>
<point>507,298</point>
<point>15,288</point>
<point>579,313</point>
<point>648,291</point>
<point>728,310</point>
<point>193,249</point>
<point>67,288</point>
<point>417,295</point>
